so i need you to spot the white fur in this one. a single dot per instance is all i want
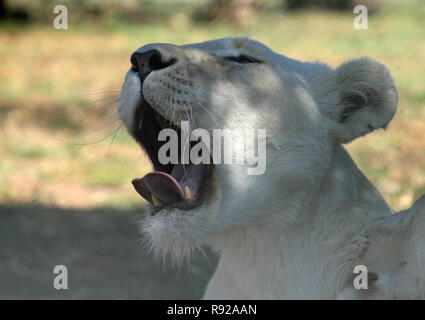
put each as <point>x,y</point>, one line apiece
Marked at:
<point>298,230</point>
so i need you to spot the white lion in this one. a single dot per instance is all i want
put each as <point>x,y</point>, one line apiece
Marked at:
<point>299,229</point>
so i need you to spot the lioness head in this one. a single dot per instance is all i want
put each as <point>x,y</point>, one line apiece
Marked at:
<point>307,109</point>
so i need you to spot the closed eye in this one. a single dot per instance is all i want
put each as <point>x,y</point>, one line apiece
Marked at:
<point>242,59</point>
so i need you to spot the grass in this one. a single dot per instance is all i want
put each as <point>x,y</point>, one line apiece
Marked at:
<point>59,91</point>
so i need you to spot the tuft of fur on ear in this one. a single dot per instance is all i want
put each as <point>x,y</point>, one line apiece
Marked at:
<point>367,98</point>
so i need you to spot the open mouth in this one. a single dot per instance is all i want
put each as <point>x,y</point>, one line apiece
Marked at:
<point>169,185</point>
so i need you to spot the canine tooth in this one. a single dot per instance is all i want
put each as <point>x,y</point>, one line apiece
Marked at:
<point>156,201</point>
<point>187,193</point>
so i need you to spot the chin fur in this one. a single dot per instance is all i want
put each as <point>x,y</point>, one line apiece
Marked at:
<point>176,235</point>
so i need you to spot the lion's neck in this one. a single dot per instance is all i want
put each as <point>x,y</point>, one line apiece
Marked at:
<point>307,259</point>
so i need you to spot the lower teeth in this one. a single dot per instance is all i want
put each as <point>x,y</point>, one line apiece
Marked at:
<point>187,193</point>
<point>156,201</point>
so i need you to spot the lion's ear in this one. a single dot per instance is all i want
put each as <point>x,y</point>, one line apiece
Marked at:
<point>366,98</point>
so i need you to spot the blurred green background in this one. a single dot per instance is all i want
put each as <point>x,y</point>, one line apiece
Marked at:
<point>59,145</point>
<point>59,87</point>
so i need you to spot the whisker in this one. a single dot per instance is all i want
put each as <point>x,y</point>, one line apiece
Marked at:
<point>192,119</point>
<point>105,119</point>
<point>113,137</point>
<point>98,141</point>
<point>98,110</point>
<point>109,92</point>
<point>104,99</point>
<point>174,109</point>
<point>108,89</point>
<point>209,113</point>
<point>187,142</point>
<point>167,112</point>
<point>103,89</point>
<point>100,128</point>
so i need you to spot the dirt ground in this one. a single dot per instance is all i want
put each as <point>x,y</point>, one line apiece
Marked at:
<point>102,250</point>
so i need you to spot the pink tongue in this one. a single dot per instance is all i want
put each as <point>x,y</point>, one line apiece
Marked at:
<point>164,186</point>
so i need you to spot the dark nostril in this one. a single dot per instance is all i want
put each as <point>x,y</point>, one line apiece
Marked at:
<point>145,62</point>
<point>155,61</point>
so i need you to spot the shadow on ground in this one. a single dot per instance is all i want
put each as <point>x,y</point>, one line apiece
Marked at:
<point>101,249</point>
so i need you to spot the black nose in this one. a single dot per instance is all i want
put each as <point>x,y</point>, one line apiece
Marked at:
<point>145,62</point>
